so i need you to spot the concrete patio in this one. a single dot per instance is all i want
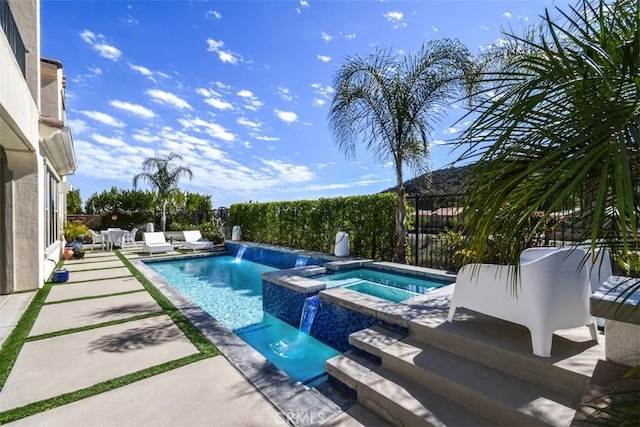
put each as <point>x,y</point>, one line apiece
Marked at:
<point>101,325</point>
<point>206,392</point>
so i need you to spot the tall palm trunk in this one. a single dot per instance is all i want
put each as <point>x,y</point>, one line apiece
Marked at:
<point>401,217</point>
<point>163,215</point>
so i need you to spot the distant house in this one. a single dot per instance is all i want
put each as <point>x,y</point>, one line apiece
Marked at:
<point>36,151</point>
<point>446,217</point>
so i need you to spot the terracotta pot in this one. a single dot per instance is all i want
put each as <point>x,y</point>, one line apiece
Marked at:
<point>67,253</point>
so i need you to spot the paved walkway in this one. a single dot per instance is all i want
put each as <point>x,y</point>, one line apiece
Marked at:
<point>206,392</point>
<point>71,347</point>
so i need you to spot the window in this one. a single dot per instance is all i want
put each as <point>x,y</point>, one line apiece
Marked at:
<point>51,225</point>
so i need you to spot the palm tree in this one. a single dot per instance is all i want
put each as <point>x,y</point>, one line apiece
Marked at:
<point>162,175</point>
<point>391,104</point>
<point>560,123</point>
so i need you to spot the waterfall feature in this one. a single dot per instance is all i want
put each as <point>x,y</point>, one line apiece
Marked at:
<point>294,348</point>
<point>301,261</point>
<point>309,311</point>
<point>240,253</point>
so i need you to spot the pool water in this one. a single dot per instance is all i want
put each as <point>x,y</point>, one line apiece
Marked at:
<point>381,291</point>
<point>296,353</point>
<point>388,286</point>
<point>230,290</point>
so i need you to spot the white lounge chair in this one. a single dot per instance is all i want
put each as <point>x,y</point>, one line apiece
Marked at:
<point>155,243</point>
<point>193,240</point>
<point>553,293</point>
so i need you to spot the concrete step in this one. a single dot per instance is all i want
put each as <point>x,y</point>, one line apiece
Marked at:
<point>507,347</point>
<point>491,393</point>
<point>373,340</point>
<point>404,403</point>
<point>349,367</point>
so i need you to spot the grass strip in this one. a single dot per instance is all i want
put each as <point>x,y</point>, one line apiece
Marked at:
<point>95,297</point>
<point>63,399</point>
<point>201,342</point>
<point>13,344</point>
<point>89,327</point>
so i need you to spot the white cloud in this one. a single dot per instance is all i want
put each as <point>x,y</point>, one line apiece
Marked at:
<point>210,128</point>
<point>286,116</point>
<point>266,138</point>
<point>163,75</point>
<point>213,14</point>
<point>95,70</point>
<point>296,173</point>
<point>394,16</point>
<point>434,28</point>
<point>318,102</point>
<point>251,101</point>
<point>285,93</point>
<point>103,118</point>
<point>224,56</point>
<point>485,28</point>
<point>349,36</point>
<point>324,58</point>
<point>131,20</point>
<point>219,104</point>
<point>113,142</point>
<point>142,70</point>
<point>304,3</point>
<point>145,136</point>
<point>326,37</point>
<point>222,85</point>
<point>322,90</point>
<point>397,18</point>
<point>207,93</point>
<point>136,109</point>
<point>77,126</point>
<point>248,123</point>
<point>245,93</point>
<point>451,131</point>
<point>507,15</point>
<point>97,43</point>
<point>168,98</point>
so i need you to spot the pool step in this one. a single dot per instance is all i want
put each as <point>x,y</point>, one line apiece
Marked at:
<point>488,392</point>
<point>349,368</point>
<point>507,347</point>
<point>404,403</point>
<point>373,340</point>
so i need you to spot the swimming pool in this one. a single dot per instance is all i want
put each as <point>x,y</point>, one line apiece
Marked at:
<point>392,287</point>
<point>230,290</point>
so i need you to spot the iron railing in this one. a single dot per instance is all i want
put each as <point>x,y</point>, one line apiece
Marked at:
<point>10,30</point>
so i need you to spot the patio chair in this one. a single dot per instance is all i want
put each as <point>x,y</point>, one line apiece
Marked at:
<point>115,237</point>
<point>553,293</point>
<point>130,237</point>
<point>193,240</point>
<point>155,243</point>
<point>98,238</point>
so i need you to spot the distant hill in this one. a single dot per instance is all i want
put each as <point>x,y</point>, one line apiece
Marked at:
<point>442,181</point>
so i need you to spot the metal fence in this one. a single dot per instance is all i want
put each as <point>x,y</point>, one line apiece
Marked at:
<point>10,29</point>
<point>435,230</point>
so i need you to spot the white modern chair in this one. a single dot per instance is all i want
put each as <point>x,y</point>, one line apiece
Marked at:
<point>155,242</point>
<point>553,293</point>
<point>193,240</point>
<point>116,237</point>
<point>130,237</point>
<point>98,238</point>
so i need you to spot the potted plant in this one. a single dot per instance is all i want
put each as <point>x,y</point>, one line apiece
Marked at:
<point>74,232</point>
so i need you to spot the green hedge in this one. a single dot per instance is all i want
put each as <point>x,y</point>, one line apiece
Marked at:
<point>313,224</point>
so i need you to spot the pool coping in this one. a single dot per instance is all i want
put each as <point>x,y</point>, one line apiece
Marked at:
<point>301,405</point>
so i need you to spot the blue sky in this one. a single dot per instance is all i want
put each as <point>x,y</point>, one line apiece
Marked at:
<point>241,89</point>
